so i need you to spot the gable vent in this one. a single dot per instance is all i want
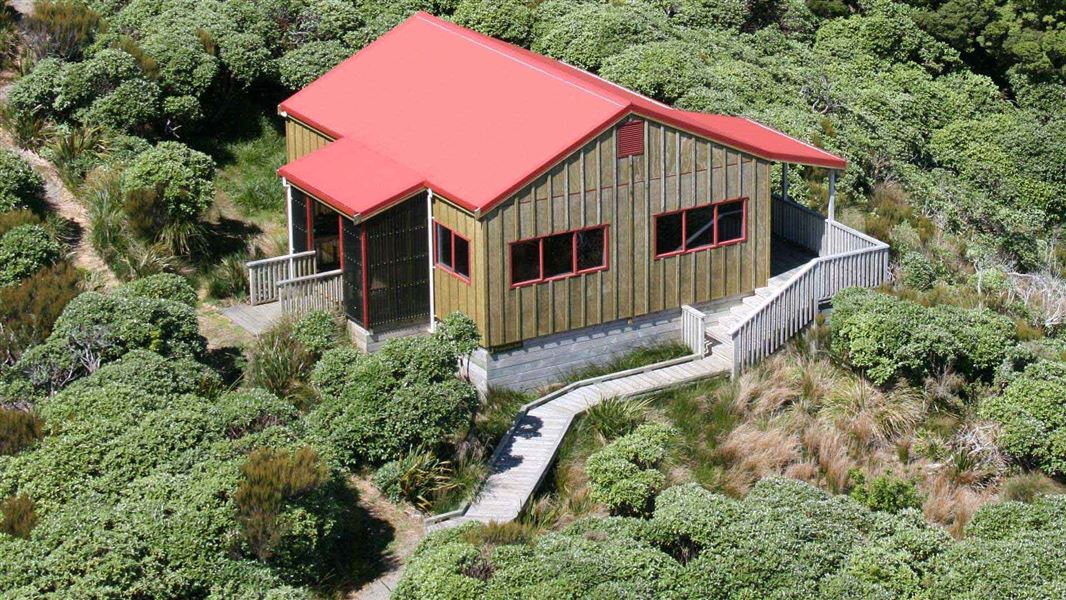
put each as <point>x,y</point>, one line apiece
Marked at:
<point>631,139</point>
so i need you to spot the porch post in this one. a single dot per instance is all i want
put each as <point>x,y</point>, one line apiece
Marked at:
<point>784,181</point>
<point>832,195</point>
<point>288,218</point>
<point>429,229</point>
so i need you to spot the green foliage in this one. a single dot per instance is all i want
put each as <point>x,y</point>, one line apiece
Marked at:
<point>19,430</point>
<point>889,337</point>
<point>20,185</point>
<point>585,34</point>
<point>918,271</point>
<point>508,20</point>
<point>19,517</point>
<point>180,174</point>
<point>624,475</point>
<point>460,331</point>
<point>1032,412</point>
<point>280,363</point>
<point>663,70</point>
<point>29,308</point>
<point>415,478</point>
<point>164,286</point>
<point>301,66</point>
<point>376,408</point>
<point>96,328</point>
<point>886,492</point>
<point>317,331</point>
<point>614,417</point>
<point>25,250</point>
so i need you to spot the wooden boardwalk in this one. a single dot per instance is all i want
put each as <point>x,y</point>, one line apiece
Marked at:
<point>524,455</point>
<point>255,319</point>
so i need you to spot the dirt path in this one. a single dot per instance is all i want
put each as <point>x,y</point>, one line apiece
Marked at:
<point>407,532</point>
<point>63,203</point>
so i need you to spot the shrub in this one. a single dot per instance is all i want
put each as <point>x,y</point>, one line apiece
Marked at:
<point>25,250</point>
<point>18,430</point>
<point>272,478</point>
<point>19,518</point>
<point>585,34</point>
<point>317,331</point>
<point>886,492</point>
<point>889,337</point>
<point>280,363</point>
<point>338,369</point>
<point>508,20</point>
<point>164,286</point>
<point>301,66</point>
<point>29,308</point>
<point>20,185</point>
<point>61,28</point>
<point>182,176</point>
<point>415,478</point>
<point>32,95</point>
<point>624,475</point>
<point>460,331</point>
<point>1032,412</point>
<point>661,70</point>
<point>918,272</point>
<point>132,106</point>
<point>13,218</point>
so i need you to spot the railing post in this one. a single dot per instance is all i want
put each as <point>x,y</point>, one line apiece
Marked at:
<point>784,181</point>
<point>832,195</point>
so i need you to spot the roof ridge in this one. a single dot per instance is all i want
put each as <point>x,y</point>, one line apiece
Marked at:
<point>440,24</point>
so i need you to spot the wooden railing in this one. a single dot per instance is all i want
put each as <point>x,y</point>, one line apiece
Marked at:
<point>693,330</point>
<point>847,258</point>
<point>321,291</point>
<point>798,224</point>
<point>265,274</point>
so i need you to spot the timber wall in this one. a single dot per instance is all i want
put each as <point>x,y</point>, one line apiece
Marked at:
<point>593,187</point>
<point>301,140</point>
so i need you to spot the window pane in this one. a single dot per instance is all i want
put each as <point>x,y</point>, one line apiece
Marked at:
<point>525,261</point>
<point>730,221</point>
<point>668,233</point>
<point>590,249</point>
<point>558,255</point>
<point>444,245</point>
<point>699,227</point>
<point>462,256</point>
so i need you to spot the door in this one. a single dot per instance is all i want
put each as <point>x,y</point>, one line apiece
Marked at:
<point>397,257</point>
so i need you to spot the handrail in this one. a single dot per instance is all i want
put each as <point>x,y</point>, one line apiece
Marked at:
<point>274,259</point>
<point>265,274</point>
<point>312,277</point>
<point>318,291</point>
<point>789,308</point>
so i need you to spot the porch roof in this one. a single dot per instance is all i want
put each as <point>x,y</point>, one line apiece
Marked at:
<point>352,178</point>
<point>475,118</point>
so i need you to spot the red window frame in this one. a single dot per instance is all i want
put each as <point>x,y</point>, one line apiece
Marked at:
<point>574,272</point>
<point>684,228</point>
<point>436,251</point>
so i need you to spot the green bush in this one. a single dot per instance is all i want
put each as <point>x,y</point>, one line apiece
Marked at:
<point>662,70</point>
<point>301,66</point>
<point>279,364</point>
<point>62,28</point>
<point>886,492</point>
<point>180,174</point>
<point>625,474</point>
<point>888,337</point>
<point>508,20</point>
<point>33,94</point>
<point>164,286</point>
<point>25,250</point>
<point>1032,413</point>
<point>586,34</point>
<point>376,408</point>
<point>917,271</point>
<point>20,185</point>
<point>318,331</point>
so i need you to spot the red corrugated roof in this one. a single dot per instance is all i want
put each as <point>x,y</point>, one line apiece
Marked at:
<point>354,178</point>
<point>474,119</point>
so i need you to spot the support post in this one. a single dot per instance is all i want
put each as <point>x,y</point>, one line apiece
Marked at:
<point>784,181</point>
<point>429,221</point>
<point>288,218</point>
<point>832,195</point>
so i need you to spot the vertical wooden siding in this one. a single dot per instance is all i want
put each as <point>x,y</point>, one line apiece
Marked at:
<point>301,139</point>
<point>450,293</point>
<point>592,187</point>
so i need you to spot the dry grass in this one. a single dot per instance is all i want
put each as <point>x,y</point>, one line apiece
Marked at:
<point>952,505</point>
<point>754,453</point>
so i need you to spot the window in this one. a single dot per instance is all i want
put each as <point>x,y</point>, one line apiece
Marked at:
<point>451,251</point>
<point>559,255</point>
<point>701,227</point>
<point>630,139</point>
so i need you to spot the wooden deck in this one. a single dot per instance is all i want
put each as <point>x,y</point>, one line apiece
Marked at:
<point>255,319</point>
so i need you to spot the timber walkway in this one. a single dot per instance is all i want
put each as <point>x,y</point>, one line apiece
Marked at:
<point>524,455</point>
